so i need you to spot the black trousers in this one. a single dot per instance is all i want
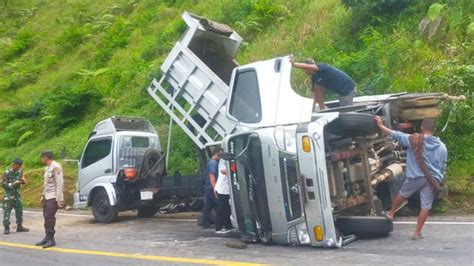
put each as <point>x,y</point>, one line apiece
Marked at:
<point>49,213</point>
<point>223,212</point>
<point>210,202</point>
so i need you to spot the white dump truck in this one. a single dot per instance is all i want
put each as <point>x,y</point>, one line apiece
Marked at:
<point>298,177</point>
<point>122,168</point>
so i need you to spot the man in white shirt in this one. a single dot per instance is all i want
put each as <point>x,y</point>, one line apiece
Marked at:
<point>222,192</point>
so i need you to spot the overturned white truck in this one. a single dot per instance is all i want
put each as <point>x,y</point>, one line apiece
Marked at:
<point>298,177</point>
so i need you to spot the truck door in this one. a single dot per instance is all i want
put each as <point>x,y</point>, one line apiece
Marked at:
<point>261,95</point>
<point>96,162</point>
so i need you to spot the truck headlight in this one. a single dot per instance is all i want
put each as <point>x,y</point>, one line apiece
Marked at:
<point>285,138</point>
<point>298,235</point>
<point>292,236</point>
<point>302,231</point>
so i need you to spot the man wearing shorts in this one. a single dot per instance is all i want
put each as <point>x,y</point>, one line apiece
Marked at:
<point>435,156</point>
<point>326,77</point>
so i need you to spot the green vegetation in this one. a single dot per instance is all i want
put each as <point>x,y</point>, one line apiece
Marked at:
<point>66,66</point>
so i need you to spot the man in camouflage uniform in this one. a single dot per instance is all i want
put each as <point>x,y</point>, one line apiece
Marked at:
<point>11,182</point>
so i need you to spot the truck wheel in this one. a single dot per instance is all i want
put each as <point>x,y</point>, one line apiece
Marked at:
<point>364,226</point>
<point>147,211</point>
<point>101,209</point>
<point>353,124</point>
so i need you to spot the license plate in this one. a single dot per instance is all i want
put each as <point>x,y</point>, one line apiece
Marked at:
<point>146,195</point>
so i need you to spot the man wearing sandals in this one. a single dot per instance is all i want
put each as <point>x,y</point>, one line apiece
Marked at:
<point>425,165</point>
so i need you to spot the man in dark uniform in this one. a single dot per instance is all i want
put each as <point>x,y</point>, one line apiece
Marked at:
<point>325,77</point>
<point>210,198</point>
<point>11,182</point>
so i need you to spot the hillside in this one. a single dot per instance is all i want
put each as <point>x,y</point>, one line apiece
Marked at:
<point>66,66</point>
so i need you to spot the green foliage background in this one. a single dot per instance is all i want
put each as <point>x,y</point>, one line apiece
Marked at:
<point>65,65</point>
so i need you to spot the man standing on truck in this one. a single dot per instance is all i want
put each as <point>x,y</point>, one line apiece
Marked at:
<point>325,77</point>
<point>425,165</point>
<point>210,200</point>
<point>52,198</point>
<point>12,181</point>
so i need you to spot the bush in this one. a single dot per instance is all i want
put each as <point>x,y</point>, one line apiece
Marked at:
<point>116,37</point>
<point>66,106</point>
<point>20,44</point>
<point>253,16</point>
<point>369,11</point>
<point>71,38</point>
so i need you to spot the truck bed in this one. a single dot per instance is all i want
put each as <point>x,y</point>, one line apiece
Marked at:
<point>193,88</point>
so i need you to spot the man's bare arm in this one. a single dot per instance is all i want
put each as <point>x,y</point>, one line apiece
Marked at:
<point>212,180</point>
<point>379,121</point>
<point>304,66</point>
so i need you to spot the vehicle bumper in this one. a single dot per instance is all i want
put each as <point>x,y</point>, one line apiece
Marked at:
<point>77,203</point>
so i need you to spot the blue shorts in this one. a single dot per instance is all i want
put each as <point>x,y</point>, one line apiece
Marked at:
<point>421,184</point>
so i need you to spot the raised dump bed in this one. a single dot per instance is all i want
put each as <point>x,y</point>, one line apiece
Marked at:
<point>195,80</point>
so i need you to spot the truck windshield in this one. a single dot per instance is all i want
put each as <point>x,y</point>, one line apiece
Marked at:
<point>132,149</point>
<point>245,102</point>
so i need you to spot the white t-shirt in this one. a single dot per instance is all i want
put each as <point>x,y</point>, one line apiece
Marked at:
<point>222,184</point>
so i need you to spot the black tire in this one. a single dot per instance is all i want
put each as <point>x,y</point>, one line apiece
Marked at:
<point>150,158</point>
<point>364,226</point>
<point>101,209</point>
<point>147,211</point>
<point>353,124</point>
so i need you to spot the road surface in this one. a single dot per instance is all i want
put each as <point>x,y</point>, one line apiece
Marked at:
<point>167,241</point>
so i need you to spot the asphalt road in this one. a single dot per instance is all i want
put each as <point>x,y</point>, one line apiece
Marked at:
<point>168,241</point>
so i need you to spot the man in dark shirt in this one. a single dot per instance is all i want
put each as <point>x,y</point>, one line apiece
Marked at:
<point>210,200</point>
<point>325,77</point>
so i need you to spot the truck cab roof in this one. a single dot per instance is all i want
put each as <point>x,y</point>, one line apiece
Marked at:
<point>117,124</point>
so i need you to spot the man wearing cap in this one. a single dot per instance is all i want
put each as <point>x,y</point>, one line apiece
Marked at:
<point>325,77</point>
<point>12,181</point>
<point>52,197</point>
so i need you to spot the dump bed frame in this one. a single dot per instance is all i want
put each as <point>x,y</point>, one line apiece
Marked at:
<point>193,89</point>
